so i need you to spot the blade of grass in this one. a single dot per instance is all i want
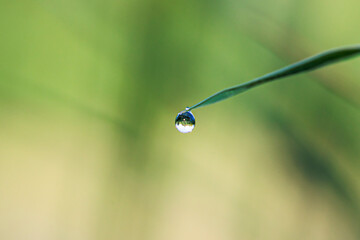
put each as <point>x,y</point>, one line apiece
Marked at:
<point>309,64</point>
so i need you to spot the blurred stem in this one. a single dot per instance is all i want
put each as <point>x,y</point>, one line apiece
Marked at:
<point>276,37</point>
<point>66,100</point>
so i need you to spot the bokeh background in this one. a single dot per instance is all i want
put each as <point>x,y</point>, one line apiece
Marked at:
<point>89,90</point>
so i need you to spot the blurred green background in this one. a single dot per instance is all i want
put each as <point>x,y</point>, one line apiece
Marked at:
<point>89,91</point>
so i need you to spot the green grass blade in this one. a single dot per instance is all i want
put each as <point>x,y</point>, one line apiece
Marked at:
<point>309,64</point>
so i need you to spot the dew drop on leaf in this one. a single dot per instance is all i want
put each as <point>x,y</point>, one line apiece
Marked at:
<point>185,122</point>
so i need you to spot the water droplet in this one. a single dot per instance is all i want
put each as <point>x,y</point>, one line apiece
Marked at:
<point>185,122</point>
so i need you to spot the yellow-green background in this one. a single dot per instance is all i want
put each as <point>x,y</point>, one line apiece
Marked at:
<point>89,91</point>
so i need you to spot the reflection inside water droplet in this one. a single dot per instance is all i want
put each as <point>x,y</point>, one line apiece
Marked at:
<point>185,122</point>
